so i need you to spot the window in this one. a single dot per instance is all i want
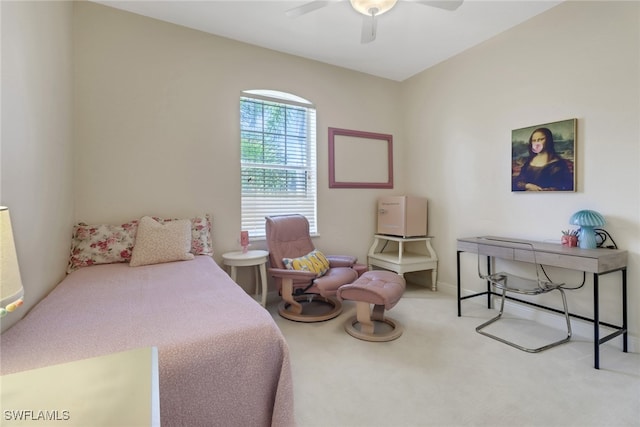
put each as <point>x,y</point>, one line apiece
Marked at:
<point>278,158</point>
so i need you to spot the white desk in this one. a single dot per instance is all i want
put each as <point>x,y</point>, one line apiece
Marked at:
<point>253,258</point>
<point>116,389</point>
<point>595,261</point>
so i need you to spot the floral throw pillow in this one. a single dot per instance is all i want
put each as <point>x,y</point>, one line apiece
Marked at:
<point>101,244</point>
<point>201,242</point>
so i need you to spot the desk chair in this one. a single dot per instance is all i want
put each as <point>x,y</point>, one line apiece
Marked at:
<point>507,282</point>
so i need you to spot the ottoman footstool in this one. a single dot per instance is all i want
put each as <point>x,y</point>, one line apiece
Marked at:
<point>382,289</point>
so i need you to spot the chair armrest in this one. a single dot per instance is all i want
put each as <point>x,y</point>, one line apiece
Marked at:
<point>341,260</point>
<point>295,275</point>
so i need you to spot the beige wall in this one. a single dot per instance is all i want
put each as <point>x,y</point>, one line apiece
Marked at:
<point>156,131</point>
<point>36,145</point>
<point>157,124</point>
<point>579,60</point>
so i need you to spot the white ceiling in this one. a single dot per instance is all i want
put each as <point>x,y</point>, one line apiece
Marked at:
<point>410,38</point>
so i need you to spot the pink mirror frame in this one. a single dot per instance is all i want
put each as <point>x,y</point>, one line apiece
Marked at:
<point>333,132</point>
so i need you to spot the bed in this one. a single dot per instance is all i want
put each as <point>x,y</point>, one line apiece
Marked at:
<point>222,359</point>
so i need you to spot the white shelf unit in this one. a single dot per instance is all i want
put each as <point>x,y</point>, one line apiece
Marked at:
<point>404,255</point>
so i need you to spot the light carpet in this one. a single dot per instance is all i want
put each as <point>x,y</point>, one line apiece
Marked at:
<point>440,372</point>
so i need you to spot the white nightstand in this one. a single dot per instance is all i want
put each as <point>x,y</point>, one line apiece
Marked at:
<point>404,255</point>
<point>255,258</point>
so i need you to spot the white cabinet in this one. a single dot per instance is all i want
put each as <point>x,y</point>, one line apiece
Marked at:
<point>404,255</point>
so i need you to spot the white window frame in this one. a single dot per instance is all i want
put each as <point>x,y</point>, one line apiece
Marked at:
<point>257,204</point>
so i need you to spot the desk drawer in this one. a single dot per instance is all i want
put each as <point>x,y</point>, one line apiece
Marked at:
<point>567,261</point>
<point>467,246</point>
<point>525,255</point>
<point>496,251</point>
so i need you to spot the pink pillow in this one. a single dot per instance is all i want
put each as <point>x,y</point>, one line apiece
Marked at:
<point>159,242</point>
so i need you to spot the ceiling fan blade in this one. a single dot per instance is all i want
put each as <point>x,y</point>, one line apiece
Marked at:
<point>369,24</point>
<point>443,4</point>
<point>306,8</point>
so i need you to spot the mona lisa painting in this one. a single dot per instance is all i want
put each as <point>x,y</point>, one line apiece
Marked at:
<point>543,157</point>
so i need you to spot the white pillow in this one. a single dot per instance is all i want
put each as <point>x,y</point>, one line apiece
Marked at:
<point>156,243</point>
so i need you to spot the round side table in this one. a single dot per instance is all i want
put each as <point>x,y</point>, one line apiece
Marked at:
<point>254,258</point>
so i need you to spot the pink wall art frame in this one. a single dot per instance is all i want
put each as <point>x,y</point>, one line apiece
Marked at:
<point>360,159</point>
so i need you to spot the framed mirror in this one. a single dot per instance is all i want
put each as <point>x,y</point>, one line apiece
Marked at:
<point>360,159</point>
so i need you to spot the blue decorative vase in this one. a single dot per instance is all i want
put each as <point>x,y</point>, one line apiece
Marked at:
<point>587,237</point>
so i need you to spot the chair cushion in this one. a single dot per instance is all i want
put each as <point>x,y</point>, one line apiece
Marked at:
<point>376,287</point>
<point>328,284</point>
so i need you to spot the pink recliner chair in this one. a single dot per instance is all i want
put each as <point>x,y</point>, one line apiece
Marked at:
<point>306,296</point>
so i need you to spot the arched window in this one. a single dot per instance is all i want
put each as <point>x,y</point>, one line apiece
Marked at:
<point>278,158</point>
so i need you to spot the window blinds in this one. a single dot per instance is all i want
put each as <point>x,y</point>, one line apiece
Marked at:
<point>278,161</point>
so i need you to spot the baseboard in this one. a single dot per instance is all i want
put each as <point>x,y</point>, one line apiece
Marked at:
<point>580,329</point>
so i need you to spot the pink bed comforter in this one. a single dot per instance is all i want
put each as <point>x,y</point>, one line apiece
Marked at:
<point>222,359</point>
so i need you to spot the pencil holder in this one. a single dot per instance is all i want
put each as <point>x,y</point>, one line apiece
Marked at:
<point>569,238</point>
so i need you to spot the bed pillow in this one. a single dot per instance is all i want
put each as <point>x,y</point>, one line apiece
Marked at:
<point>101,244</point>
<point>161,242</point>
<point>107,244</point>
<point>201,242</point>
<point>314,261</point>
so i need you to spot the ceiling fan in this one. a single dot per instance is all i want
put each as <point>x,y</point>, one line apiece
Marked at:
<point>371,9</point>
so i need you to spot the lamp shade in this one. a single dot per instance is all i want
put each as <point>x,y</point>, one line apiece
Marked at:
<point>11,291</point>
<point>587,220</point>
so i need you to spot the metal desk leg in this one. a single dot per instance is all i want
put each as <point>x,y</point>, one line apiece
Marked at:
<point>488,283</point>
<point>458,275</point>
<point>596,324</point>
<point>624,310</point>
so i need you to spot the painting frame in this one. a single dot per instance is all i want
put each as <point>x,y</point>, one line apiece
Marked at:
<point>347,147</point>
<point>543,157</point>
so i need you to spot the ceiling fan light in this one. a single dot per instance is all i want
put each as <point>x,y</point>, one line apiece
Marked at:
<point>379,6</point>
